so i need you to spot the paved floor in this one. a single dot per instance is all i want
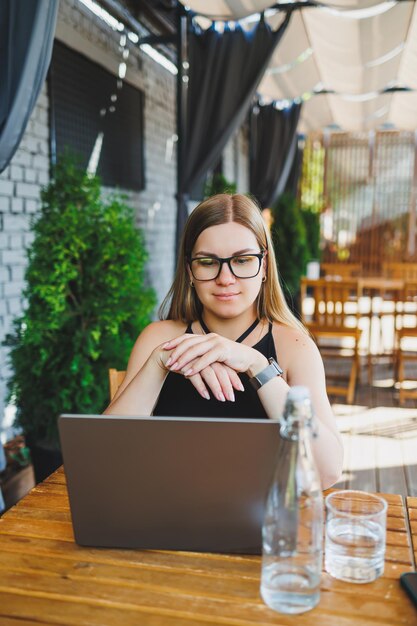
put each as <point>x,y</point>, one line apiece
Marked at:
<point>380,438</point>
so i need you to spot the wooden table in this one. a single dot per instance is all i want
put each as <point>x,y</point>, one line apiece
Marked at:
<point>45,578</point>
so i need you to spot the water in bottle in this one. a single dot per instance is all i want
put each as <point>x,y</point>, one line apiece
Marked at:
<point>293,524</point>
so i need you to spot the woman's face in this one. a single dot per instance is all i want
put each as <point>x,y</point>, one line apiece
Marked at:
<point>228,296</point>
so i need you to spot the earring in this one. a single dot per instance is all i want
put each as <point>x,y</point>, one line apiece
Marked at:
<point>264,279</point>
<point>191,284</point>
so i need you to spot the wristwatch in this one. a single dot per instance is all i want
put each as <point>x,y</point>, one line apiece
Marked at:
<point>265,375</point>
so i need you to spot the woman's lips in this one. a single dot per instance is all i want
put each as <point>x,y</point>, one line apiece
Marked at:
<point>225,296</point>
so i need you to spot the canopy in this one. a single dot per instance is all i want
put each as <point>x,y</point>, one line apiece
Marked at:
<point>361,50</point>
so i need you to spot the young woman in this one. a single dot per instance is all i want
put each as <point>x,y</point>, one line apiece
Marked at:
<point>216,353</point>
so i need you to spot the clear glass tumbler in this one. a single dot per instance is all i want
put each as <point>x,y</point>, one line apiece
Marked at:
<point>355,536</point>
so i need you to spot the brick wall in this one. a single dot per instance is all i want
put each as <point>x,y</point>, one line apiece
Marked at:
<point>155,207</point>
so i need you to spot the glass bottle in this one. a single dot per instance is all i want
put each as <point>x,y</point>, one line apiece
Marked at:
<point>292,532</point>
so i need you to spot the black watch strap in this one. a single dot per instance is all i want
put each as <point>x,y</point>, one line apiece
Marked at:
<point>267,374</point>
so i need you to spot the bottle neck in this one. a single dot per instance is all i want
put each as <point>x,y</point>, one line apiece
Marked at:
<point>297,422</point>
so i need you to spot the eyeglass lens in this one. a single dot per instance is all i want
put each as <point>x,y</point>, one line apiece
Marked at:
<point>242,266</point>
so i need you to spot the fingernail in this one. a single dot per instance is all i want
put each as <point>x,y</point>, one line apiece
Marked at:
<point>221,397</point>
<point>231,396</point>
<point>188,373</point>
<point>169,361</point>
<point>206,395</point>
<point>174,366</point>
<point>241,387</point>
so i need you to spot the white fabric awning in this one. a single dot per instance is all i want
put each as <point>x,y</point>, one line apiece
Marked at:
<point>333,50</point>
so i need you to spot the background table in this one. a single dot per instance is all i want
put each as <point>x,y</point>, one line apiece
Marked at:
<point>45,578</point>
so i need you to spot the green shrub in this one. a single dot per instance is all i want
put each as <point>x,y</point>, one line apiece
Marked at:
<point>290,244</point>
<point>218,184</point>
<point>311,221</point>
<point>85,303</point>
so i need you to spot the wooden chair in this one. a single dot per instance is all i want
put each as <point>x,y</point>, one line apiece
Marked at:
<point>406,341</point>
<point>342,270</point>
<point>116,378</point>
<point>405,271</point>
<point>333,318</point>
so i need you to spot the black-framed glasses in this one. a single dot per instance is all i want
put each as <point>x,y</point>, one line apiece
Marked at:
<point>241,266</point>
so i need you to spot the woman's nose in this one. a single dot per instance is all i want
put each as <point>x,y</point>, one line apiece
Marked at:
<point>226,275</point>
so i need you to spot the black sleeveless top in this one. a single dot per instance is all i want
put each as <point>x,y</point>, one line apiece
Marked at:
<point>179,397</point>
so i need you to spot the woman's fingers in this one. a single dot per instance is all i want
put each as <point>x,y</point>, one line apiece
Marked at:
<point>191,350</point>
<point>198,383</point>
<point>224,380</point>
<point>234,377</point>
<point>212,381</point>
<point>220,379</point>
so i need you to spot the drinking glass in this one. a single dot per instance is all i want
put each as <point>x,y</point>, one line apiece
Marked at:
<point>355,536</point>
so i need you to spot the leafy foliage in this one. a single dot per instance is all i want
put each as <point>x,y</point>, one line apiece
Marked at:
<point>218,184</point>
<point>290,243</point>
<point>311,221</point>
<point>85,303</point>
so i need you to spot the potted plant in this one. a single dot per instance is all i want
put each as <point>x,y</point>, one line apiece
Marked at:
<point>290,244</point>
<point>85,303</point>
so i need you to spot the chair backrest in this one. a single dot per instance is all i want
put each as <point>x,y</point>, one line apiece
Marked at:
<point>116,378</point>
<point>330,303</point>
<point>406,271</point>
<point>344,270</point>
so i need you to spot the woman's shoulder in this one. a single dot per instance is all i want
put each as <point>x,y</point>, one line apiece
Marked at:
<point>163,330</point>
<point>290,339</point>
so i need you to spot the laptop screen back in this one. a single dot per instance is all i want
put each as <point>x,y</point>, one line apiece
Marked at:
<point>167,482</point>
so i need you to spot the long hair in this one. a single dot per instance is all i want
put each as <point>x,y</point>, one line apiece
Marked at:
<point>182,303</point>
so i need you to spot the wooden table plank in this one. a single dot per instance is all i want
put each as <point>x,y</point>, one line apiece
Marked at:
<point>47,578</point>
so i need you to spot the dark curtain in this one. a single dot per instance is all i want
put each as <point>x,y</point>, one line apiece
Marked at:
<point>291,185</point>
<point>224,71</point>
<point>273,146</point>
<point>26,36</point>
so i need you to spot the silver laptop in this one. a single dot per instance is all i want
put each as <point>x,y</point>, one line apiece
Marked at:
<point>172,483</point>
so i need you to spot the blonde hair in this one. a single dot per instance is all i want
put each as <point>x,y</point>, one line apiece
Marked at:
<point>182,303</point>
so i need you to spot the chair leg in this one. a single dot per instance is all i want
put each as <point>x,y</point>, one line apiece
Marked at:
<point>400,377</point>
<point>352,382</point>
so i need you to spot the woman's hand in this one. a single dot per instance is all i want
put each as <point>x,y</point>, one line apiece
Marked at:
<point>220,379</point>
<point>191,354</point>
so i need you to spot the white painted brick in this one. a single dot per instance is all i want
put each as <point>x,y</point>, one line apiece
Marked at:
<point>31,206</point>
<point>15,242</point>
<point>27,190</point>
<point>13,289</point>
<point>39,130</point>
<point>32,145</point>
<point>4,203</point>
<point>3,307</point>
<point>18,273</point>
<point>15,223</point>
<point>4,275</point>
<point>28,239</point>
<point>16,173</point>
<point>14,306</point>
<point>13,257</point>
<point>30,175</point>
<point>6,187</point>
<point>43,178</point>
<point>22,158</point>
<point>17,205</point>
<point>5,175</point>
<point>41,162</point>
<point>4,241</point>
<point>43,118</point>
<point>43,148</point>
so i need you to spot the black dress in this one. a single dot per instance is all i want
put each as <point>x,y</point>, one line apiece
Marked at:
<point>179,397</point>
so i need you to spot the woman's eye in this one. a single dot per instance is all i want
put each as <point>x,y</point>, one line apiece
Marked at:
<point>242,260</point>
<point>206,262</point>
